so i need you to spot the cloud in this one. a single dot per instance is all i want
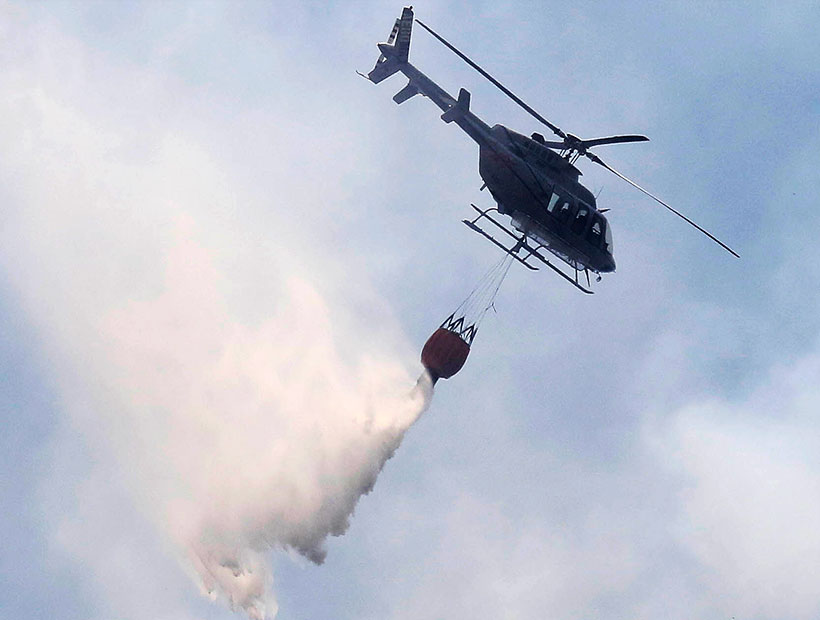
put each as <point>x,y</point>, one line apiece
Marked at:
<point>709,508</point>
<point>750,497</point>
<point>228,396</point>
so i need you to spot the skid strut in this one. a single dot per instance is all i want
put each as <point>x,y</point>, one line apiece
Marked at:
<point>520,245</point>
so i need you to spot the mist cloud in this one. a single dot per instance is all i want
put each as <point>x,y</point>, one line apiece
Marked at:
<point>242,406</point>
<point>249,438</point>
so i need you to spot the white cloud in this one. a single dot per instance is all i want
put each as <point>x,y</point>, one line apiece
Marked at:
<point>224,391</point>
<point>712,510</point>
<point>750,497</point>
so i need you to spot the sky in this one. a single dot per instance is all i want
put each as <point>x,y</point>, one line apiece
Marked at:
<point>221,252</point>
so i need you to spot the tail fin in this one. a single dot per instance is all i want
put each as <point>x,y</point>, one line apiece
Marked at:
<point>396,50</point>
<point>459,109</point>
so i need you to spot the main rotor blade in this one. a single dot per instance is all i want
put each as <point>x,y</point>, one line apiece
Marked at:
<point>613,140</point>
<point>598,160</point>
<point>581,146</point>
<point>556,130</point>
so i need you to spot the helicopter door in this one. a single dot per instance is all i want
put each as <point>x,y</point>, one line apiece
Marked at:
<point>579,224</point>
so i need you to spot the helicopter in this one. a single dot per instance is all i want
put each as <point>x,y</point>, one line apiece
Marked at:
<point>534,181</point>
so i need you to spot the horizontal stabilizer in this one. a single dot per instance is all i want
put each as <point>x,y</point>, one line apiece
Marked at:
<point>459,109</point>
<point>405,93</point>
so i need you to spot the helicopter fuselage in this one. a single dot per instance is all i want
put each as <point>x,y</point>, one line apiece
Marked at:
<point>540,191</point>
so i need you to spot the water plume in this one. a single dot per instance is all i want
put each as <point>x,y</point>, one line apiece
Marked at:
<point>249,438</point>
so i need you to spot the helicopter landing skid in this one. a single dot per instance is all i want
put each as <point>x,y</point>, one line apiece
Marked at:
<point>520,244</point>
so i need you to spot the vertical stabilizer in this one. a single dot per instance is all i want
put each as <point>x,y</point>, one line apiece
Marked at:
<point>396,51</point>
<point>403,35</point>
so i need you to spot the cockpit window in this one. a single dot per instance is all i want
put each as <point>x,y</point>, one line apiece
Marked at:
<point>580,221</point>
<point>553,202</point>
<point>563,212</point>
<point>608,237</point>
<point>595,235</point>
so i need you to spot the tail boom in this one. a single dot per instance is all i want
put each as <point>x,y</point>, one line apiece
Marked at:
<point>394,58</point>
